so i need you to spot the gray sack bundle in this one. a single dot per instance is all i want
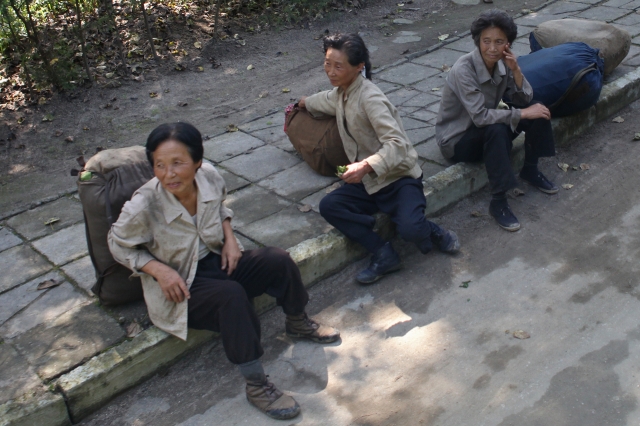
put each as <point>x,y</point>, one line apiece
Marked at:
<point>613,42</point>
<point>115,175</point>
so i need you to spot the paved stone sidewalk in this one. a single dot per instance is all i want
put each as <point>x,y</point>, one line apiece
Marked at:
<point>47,333</point>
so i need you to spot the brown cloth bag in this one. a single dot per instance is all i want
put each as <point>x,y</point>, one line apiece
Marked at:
<point>614,43</point>
<point>316,139</point>
<point>115,175</point>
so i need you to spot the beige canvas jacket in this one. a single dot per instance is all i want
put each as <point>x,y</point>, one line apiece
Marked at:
<point>154,225</point>
<point>371,129</point>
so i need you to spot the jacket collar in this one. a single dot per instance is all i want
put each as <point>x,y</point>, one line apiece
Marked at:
<point>481,69</point>
<point>354,86</point>
<point>172,208</point>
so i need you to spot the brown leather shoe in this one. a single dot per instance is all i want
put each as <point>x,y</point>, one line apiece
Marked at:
<point>304,327</point>
<point>268,399</point>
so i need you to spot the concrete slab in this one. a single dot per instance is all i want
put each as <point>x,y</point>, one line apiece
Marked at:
<point>229,145</point>
<point>285,144</point>
<point>631,19</point>
<point>286,228</point>
<point>616,3</point>
<point>246,242</point>
<point>563,7</point>
<point>260,163</point>
<point>521,49</point>
<point>632,30</point>
<point>314,199</point>
<point>427,86</point>
<point>435,107</point>
<point>407,74</point>
<point>8,239</point>
<point>464,45</point>
<point>431,152</point>
<point>20,264</point>
<point>55,302</point>
<point>632,61</point>
<point>31,225</point>
<point>430,169</point>
<point>466,2</point>
<point>439,58</point>
<point>297,182</point>
<point>385,86</point>
<point>620,71</point>
<point>232,181</point>
<point>17,377</point>
<point>536,18</point>
<point>632,5</point>
<point>65,245</point>
<point>399,97</point>
<point>253,203</point>
<point>59,345</point>
<point>587,1</point>
<point>270,135</point>
<point>602,13</point>
<point>412,124</point>
<point>406,111</point>
<point>271,120</point>
<point>423,99</point>
<point>424,115</point>
<point>402,21</point>
<point>82,273</point>
<point>404,39</point>
<point>18,298</point>
<point>418,136</point>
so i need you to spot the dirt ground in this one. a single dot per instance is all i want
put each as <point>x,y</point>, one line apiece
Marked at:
<point>36,163</point>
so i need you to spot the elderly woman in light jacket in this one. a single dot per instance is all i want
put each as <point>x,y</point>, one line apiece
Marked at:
<point>176,233</point>
<point>383,174</point>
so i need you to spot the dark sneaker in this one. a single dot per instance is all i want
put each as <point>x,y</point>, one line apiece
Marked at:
<point>502,213</point>
<point>446,241</point>
<point>384,261</point>
<point>268,399</point>
<point>537,179</point>
<point>302,326</point>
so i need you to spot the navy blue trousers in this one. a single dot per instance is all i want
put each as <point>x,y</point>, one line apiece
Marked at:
<point>493,144</point>
<point>350,208</point>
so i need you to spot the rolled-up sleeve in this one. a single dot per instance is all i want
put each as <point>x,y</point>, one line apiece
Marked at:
<point>322,103</point>
<point>395,145</point>
<point>462,82</point>
<point>519,96</point>
<point>126,240</point>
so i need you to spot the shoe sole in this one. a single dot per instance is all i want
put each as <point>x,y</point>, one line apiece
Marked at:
<point>379,276</point>
<point>456,246</point>
<point>313,339</point>
<point>510,228</point>
<point>276,416</point>
<point>546,191</point>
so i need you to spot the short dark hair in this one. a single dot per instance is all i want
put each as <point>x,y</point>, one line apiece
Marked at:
<point>494,18</point>
<point>184,133</point>
<point>353,46</point>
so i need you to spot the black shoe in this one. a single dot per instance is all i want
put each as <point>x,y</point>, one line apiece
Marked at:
<point>502,213</point>
<point>446,241</point>
<point>537,179</point>
<point>385,260</point>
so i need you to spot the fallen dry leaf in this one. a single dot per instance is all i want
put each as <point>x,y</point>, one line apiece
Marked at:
<point>153,94</point>
<point>197,45</point>
<point>48,284</point>
<point>58,133</point>
<point>232,128</point>
<point>200,69</point>
<point>305,208</point>
<point>51,221</point>
<point>516,192</point>
<point>286,90</point>
<point>567,186</point>
<point>618,119</point>
<point>443,37</point>
<point>521,334</point>
<point>445,68</point>
<point>476,213</point>
<point>134,329</point>
<point>563,166</point>
<point>584,166</point>
<point>68,139</point>
<point>636,137</point>
<point>263,94</point>
<point>250,67</point>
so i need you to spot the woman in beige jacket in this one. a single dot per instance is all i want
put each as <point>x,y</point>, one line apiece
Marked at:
<point>383,174</point>
<point>176,233</point>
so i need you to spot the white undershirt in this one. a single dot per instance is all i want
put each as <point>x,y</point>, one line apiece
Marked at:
<point>203,251</point>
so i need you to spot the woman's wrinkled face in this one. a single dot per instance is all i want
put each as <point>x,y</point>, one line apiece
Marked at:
<point>340,72</point>
<point>174,168</point>
<point>493,41</point>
